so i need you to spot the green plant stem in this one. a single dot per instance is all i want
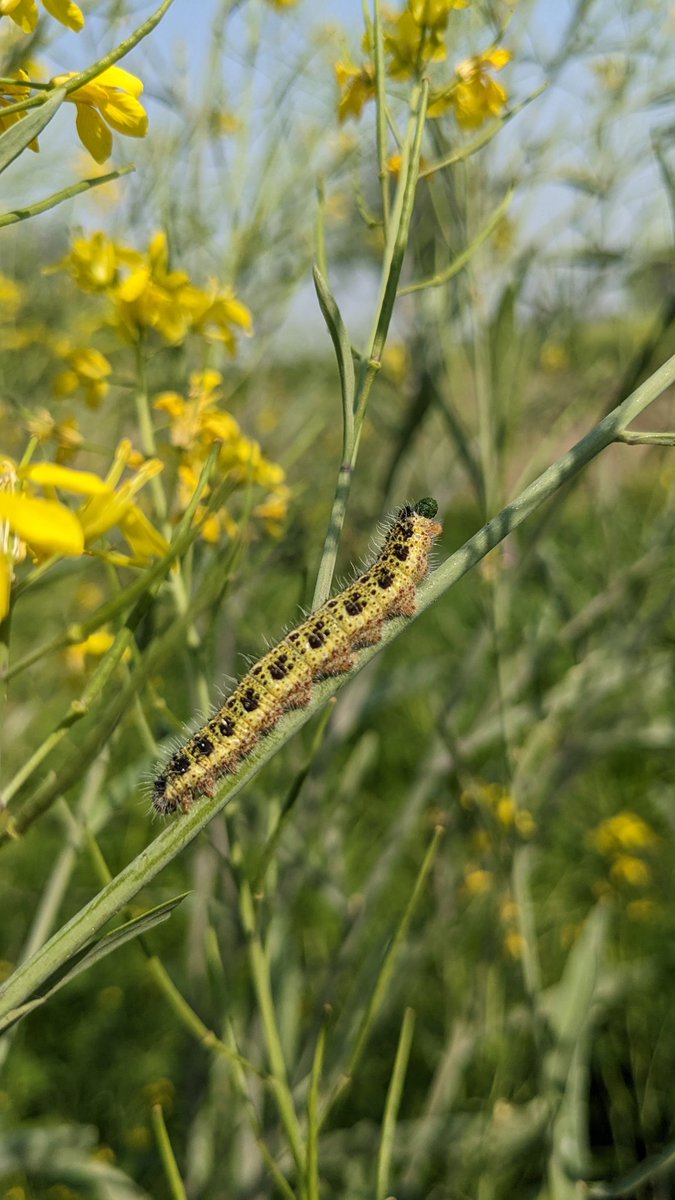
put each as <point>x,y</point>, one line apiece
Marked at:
<point>176,1187</point>
<point>384,977</point>
<point>75,189</point>
<point>76,711</point>
<point>395,247</point>
<point>263,988</point>
<point>462,259</point>
<point>392,1104</point>
<point>313,1122</point>
<point>179,833</point>
<point>381,113</point>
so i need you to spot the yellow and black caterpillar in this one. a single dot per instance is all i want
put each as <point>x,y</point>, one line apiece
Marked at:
<point>323,645</point>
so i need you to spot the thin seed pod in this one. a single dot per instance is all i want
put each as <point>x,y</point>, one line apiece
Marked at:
<point>324,645</point>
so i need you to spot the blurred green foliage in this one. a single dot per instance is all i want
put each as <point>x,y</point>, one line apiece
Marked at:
<point>526,720</point>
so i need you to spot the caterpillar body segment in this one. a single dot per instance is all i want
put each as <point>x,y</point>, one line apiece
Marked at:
<point>323,645</point>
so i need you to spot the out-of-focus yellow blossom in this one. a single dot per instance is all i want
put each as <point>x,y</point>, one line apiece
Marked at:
<point>434,13</point>
<point>95,646</point>
<point>110,101</point>
<point>514,943</point>
<point>641,910</point>
<point>633,871</point>
<point>91,262</point>
<point>64,434</point>
<point>273,510</point>
<point>506,811</point>
<point>396,362</point>
<point>508,911</point>
<point>624,831</point>
<point>476,96</point>
<point>613,73</point>
<point>88,595</point>
<point>115,506</point>
<point>46,527</point>
<point>282,4</point>
<point>478,881</point>
<point>11,297</point>
<point>195,423</point>
<point>147,295</point>
<point>24,13</point>
<point>9,94</point>
<point>410,44</point>
<point>87,370</point>
<point>525,823</point>
<point>198,418</point>
<point>554,357</point>
<point>357,87</point>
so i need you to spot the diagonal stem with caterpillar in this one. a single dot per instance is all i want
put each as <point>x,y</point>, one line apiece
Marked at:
<point>30,975</point>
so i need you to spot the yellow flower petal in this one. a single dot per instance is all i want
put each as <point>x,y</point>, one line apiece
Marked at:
<point>67,12</point>
<point>144,539</point>
<point>96,644</point>
<point>23,13</point>
<point>117,77</point>
<point>125,114</point>
<point>46,525</point>
<point>84,483</point>
<point>498,58</point>
<point>170,402</point>
<point>93,133</point>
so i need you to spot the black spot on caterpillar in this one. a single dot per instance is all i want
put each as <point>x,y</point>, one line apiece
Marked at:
<point>324,645</point>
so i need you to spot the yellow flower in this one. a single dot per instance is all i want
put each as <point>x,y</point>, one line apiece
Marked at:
<point>46,527</point>
<point>641,910</point>
<point>624,831</point>
<point>410,44</point>
<point>147,294</point>
<point>24,13</point>
<point>198,420</point>
<point>633,871</point>
<point>357,87</point>
<point>525,823</point>
<point>476,96</point>
<point>65,434</point>
<point>478,881</point>
<point>91,262</point>
<point>88,369</point>
<point>115,506</point>
<point>434,13</point>
<point>11,297</point>
<point>506,811</point>
<point>10,94</point>
<point>110,101</point>
<point>195,424</point>
<point>95,646</point>
<point>514,944</point>
<point>273,510</point>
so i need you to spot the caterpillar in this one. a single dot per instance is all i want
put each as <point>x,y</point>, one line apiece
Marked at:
<point>324,645</point>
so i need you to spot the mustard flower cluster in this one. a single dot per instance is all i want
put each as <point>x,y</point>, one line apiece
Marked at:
<point>196,422</point>
<point>497,817</point>
<point>414,39</point>
<point>35,520</point>
<point>147,295</point>
<point>625,841</point>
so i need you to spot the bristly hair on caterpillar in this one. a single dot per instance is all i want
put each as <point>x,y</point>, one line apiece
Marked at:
<point>324,645</point>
